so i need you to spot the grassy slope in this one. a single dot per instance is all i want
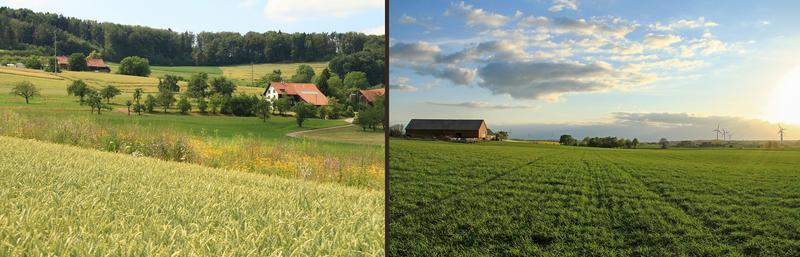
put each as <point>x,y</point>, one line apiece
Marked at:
<point>67,201</point>
<point>353,134</point>
<point>54,101</point>
<point>533,200</point>
<point>239,73</point>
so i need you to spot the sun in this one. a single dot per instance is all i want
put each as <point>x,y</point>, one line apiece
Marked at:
<point>784,103</point>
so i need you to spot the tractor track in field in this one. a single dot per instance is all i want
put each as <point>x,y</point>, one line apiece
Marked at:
<point>703,223</point>
<point>421,207</point>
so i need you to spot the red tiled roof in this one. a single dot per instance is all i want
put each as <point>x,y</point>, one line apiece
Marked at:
<point>62,60</point>
<point>371,94</point>
<point>307,91</point>
<point>97,63</point>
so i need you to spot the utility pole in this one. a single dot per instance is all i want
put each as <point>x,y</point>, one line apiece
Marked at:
<point>252,68</point>
<point>55,53</point>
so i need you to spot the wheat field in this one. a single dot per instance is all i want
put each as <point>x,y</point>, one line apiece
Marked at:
<point>67,201</point>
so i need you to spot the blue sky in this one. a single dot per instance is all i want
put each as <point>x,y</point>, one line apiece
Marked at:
<point>235,15</point>
<point>599,68</point>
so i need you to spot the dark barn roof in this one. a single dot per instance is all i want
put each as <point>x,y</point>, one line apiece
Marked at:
<point>437,124</point>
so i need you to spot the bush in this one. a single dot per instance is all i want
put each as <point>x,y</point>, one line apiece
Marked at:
<point>135,65</point>
<point>184,105</point>
<point>202,105</point>
<point>302,111</point>
<point>33,62</point>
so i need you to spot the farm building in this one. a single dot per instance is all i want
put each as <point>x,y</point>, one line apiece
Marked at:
<point>439,128</point>
<point>93,64</point>
<point>368,96</point>
<point>296,92</point>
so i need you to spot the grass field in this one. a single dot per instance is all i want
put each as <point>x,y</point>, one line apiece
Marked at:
<point>352,134</point>
<point>67,201</point>
<point>56,84</point>
<point>518,199</point>
<point>240,143</point>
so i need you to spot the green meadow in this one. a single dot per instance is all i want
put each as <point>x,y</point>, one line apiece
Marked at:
<point>523,199</point>
<point>220,141</point>
<point>241,74</point>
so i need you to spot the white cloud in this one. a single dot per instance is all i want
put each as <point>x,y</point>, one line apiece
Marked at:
<point>476,16</point>
<point>292,11</point>
<point>414,52</point>
<point>401,85</point>
<point>379,30</point>
<point>406,19</point>
<point>484,105</point>
<point>612,27</point>
<point>628,58</point>
<point>704,46</point>
<point>660,41</point>
<point>559,5</point>
<point>700,22</point>
<point>425,22</point>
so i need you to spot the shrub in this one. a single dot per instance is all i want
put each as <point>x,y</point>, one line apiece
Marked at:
<point>135,65</point>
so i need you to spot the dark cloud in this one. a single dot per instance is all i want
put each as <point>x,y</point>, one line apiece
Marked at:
<point>531,80</point>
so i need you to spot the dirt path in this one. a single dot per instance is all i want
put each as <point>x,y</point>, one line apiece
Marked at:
<point>297,134</point>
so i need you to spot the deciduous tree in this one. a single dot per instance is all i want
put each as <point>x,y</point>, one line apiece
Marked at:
<point>109,92</point>
<point>25,89</point>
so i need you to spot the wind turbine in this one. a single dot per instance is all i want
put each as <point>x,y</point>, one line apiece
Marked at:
<point>781,131</point>
<point>718,131</point>
<point>730,136</point>
<point>724,134</point>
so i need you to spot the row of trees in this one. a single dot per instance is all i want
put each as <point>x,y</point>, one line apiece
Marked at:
<point>604,142</point>
<point>25,29</point>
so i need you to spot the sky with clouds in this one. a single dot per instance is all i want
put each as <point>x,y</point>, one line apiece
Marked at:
<point>648,69</point>
<point>217,15</point>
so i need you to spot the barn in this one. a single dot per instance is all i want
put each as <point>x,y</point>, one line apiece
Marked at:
<point>369,96</point>
<point>296,92</point>
<point>443,128</point>
<point>93,64</point>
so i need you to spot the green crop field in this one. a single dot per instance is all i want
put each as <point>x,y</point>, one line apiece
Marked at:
<point>67,201</point>
<point>520,199</point>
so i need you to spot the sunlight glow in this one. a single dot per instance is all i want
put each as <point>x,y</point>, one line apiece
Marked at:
<point>784,104</point>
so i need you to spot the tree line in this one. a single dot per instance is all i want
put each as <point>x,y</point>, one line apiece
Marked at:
<point>25,30</point>
<point>603,142</point>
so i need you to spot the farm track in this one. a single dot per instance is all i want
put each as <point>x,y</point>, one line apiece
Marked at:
<point>299,134</point>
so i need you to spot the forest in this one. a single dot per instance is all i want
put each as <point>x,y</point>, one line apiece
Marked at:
<point>24,32</point>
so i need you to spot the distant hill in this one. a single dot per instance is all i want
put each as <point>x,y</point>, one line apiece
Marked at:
<point>25,32</point>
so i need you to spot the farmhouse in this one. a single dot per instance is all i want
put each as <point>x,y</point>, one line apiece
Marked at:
<point>296,92</point>
<point>369,96</point>
<point>439,128</point>
<point>93,64</point>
